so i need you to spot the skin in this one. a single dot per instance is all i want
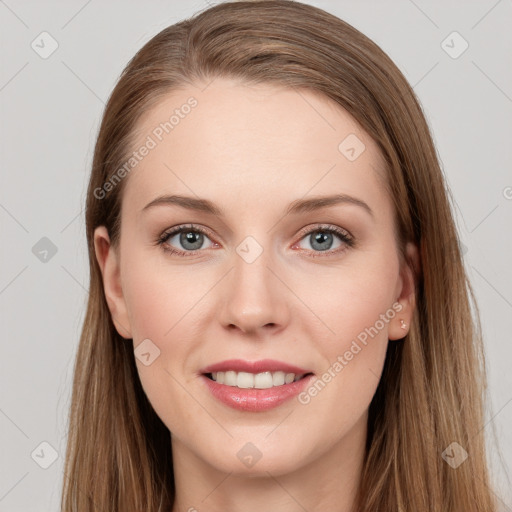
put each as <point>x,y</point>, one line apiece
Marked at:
<point>252,150</point>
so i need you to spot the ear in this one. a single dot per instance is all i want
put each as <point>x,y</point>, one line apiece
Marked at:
<point>406,300</point>
<point>108,260</point>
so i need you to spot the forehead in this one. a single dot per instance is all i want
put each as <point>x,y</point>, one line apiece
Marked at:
<point>232,142</point>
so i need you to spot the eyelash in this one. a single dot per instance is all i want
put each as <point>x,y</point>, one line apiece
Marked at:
<point>323,228</point>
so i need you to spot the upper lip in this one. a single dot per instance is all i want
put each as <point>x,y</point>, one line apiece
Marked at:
<point>263,365</point>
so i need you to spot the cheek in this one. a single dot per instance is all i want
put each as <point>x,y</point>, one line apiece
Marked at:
<point>353,358</point>
<point>351,299</point>
<point>163,305</point>
<point>150,311</point>
<point>355,304</point>
<point>157,313</point>
<point>154,294</point>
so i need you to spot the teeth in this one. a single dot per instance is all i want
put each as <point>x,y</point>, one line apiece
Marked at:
<point>262,380</point>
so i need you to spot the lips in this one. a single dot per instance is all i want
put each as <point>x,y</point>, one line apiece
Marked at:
<point>263,365</point>
<point>255,400</point>
<point>248,398</point>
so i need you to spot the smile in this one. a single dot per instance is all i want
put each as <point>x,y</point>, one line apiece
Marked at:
<point>253,399</point>
<point>246,380</point>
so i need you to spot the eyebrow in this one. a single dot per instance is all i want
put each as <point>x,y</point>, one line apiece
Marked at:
<point>295,208</point>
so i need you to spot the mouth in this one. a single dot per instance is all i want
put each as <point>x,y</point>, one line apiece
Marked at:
<point>262,380</point>
<point>255,392</point>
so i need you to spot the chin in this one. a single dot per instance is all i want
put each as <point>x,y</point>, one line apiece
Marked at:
<point>248,459</point>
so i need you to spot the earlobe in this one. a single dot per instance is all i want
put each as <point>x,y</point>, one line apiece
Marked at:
<point>409,272</point>
<point>108,261</point>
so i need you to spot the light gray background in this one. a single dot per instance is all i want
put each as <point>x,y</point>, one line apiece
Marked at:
<point>50,113</point>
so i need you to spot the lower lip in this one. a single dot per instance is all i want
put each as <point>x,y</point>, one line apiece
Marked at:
<point>252,399</point>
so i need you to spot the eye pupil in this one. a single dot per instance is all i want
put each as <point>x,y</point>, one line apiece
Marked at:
<point>320,238</point>
<point>192,237</point>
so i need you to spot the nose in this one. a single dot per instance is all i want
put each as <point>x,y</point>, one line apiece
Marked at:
<point>253,298</point>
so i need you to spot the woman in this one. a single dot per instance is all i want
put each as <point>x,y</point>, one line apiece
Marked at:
<point>279,317</point>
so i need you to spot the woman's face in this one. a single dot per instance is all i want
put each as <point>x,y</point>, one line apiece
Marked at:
<point>268,276</point>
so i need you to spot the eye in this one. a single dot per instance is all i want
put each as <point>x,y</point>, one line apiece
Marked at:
<point>188,240</point>
<point>322,239</point>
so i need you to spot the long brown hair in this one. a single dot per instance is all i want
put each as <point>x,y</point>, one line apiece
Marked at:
<point>432,390</point>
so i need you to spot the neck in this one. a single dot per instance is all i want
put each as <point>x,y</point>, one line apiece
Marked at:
<point>325,481</point>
